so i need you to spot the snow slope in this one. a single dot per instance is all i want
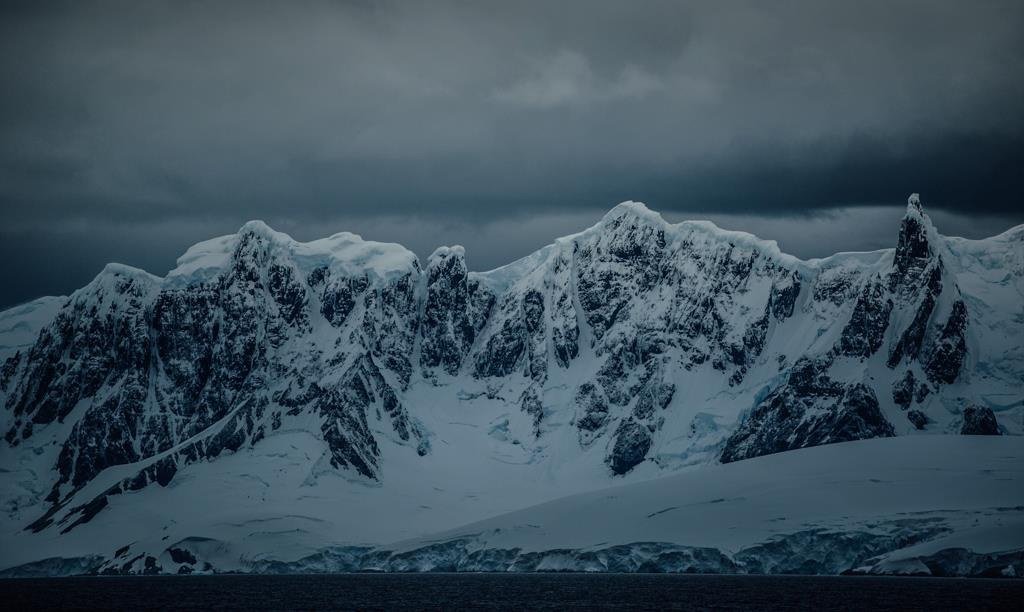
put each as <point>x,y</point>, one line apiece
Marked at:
<point>20,325</point>
<point>872,505</point>
<point>841,487</point>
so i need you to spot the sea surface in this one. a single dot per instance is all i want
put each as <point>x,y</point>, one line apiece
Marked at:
<point>512,592</point>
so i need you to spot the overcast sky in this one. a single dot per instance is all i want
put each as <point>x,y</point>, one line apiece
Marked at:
<point>129,131</point>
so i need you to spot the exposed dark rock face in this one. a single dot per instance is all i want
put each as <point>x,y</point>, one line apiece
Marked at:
<point>630,252</point>
<point>811,409</point>
<point>631,266</point>
<point>917,418</point>
<point>913,250</point>
<point>520,341</point>
<point>619,376</point>
<point>455,308</point>
<point>102,340</point>
<point>903,390</point>
<point>784,295</point>
<point>909,344</point>
<point>591,411</point>
<point>339,295</point>
<point>179,555</point>
<point>530,402</point>
<point>947,357</point>
<point>865,332</point>
<point>565,329</point>
<point>654,397</point>
<point>533,319</point>
<point>503,350</point>
<point>391,325</point>
<point>916,278</point>
<point>979,421</point>
<point>753,340</point>
<point>632,442</point>
<point>344,409</point>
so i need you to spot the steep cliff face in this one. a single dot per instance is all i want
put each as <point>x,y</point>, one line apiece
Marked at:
<point>455,308</point>
<point>632,348</point>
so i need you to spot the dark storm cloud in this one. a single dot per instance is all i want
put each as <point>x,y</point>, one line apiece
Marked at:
<point>130,130</point>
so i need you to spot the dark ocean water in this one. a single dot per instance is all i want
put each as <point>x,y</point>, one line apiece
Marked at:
<point>513,592</point>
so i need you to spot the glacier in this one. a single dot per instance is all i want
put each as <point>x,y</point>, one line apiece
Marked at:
<point>272,405</point>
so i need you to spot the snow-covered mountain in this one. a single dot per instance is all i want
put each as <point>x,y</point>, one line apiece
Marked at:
<point>287,397</point>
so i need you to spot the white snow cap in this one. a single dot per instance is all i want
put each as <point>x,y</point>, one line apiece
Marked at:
<point>914,208</point>
<point>344,250</point>
<point>636,209</point>
<point>257,226</point>
<point>443,252</point>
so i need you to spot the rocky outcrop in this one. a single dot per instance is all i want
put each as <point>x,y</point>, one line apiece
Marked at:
<point>979,421</point>
<point>531,403</point>
<point>917,418</point>
<point>864,333</point>
<point>919,280</point>
<point>809,410</point>
<point>903,390</point>
<point>591,411</point>
<point>632,441</point>
<point>914,249</point>
<point>454,310</point>
<point>947,356</point>
<point>908,347</point>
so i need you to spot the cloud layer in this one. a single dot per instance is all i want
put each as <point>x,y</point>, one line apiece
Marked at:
<point>182,120</point>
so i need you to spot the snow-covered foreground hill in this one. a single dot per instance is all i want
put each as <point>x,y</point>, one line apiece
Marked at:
<point>273,398</point>
<point>913,505</point>
<point>933,506</point>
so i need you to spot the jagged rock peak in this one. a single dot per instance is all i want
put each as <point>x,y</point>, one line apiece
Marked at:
<point>916,216</point>
<point>915,211</point>
<point>916,239</point>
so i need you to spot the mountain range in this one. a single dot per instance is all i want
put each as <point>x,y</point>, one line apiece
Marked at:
<point>273,405</point>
